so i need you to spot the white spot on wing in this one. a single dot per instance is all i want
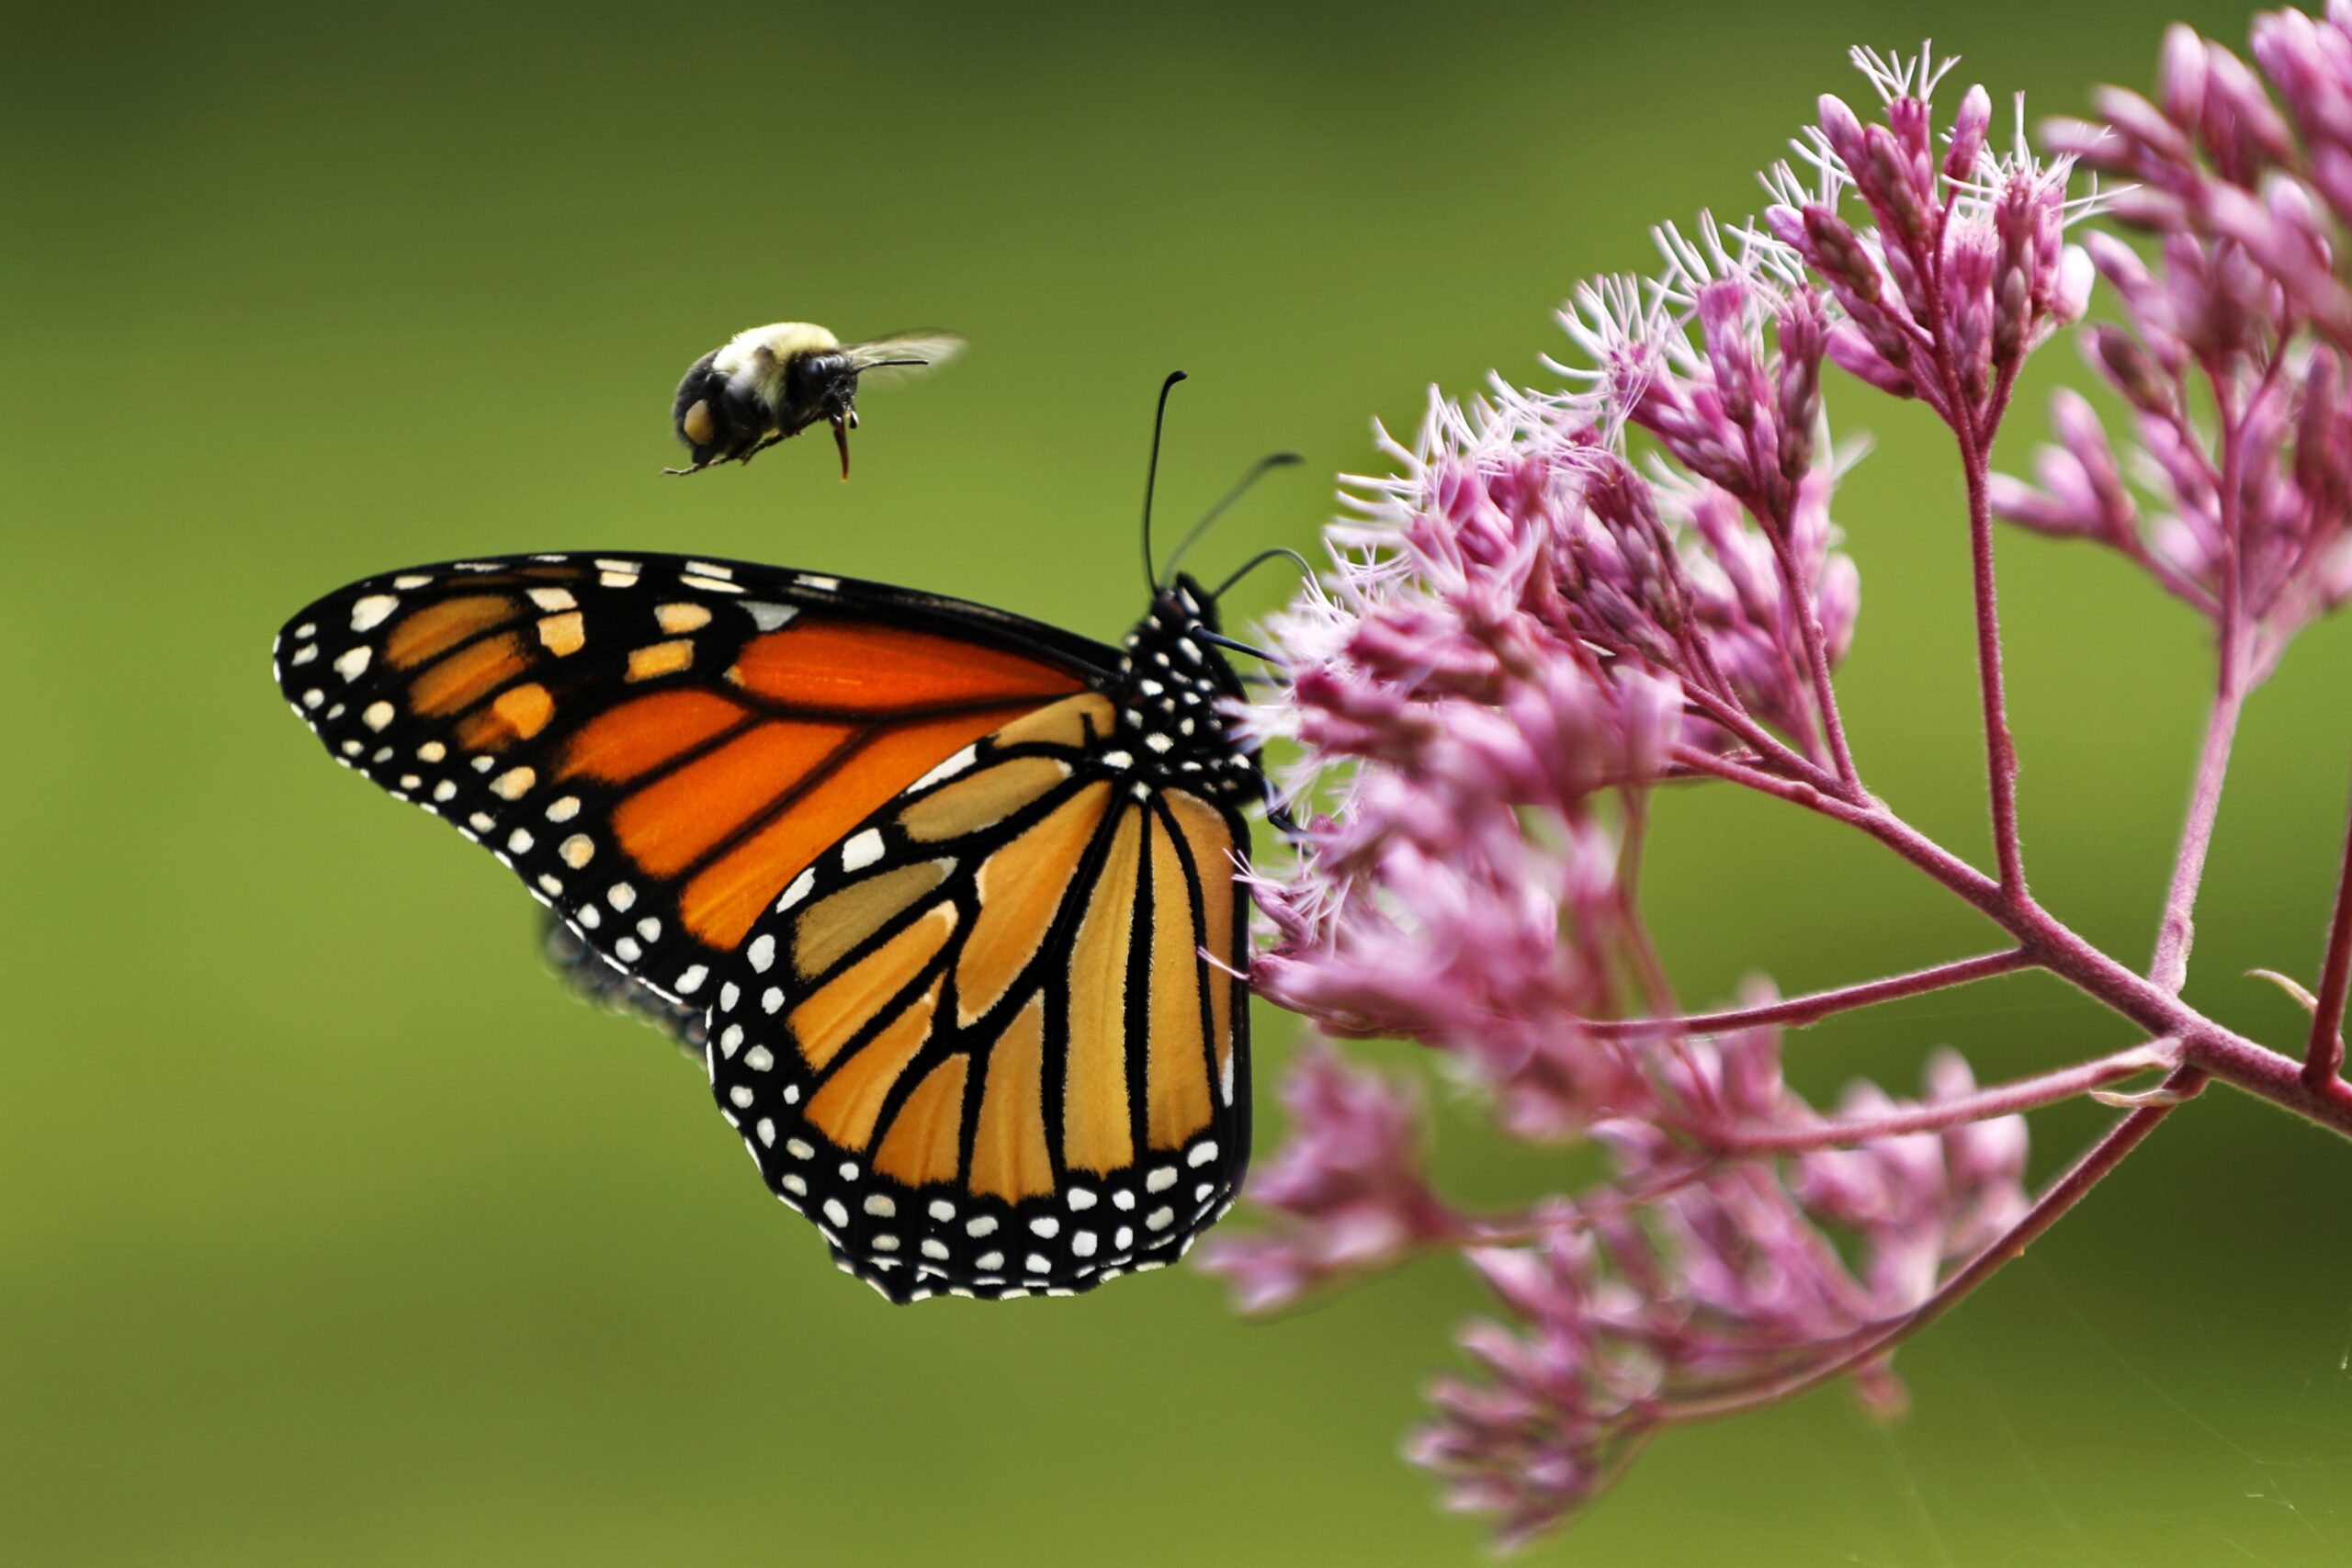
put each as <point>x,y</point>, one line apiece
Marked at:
<point>369,613</point>
<point>861,850</point>
<point>947,770</point>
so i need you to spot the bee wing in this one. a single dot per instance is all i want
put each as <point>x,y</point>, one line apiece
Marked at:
<point>902,356</point>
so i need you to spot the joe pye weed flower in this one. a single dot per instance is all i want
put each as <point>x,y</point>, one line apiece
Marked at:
<point>1560,600</point>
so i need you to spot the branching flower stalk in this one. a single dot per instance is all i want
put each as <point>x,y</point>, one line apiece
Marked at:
<point>1561,599</point>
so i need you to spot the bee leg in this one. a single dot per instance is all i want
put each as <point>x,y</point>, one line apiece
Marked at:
<point>754,450</point>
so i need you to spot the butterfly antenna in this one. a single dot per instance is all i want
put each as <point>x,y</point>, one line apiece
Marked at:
<point>1278,460</point>
<point>1280,552</point>
<point>1151,478</point>
<point>1219,639</point>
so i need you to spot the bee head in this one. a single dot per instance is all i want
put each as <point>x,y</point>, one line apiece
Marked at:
<point>821,385</point>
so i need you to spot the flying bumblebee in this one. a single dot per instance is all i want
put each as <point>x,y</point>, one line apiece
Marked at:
<point>775,381</point>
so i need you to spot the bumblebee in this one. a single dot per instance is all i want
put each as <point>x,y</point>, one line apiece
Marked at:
<point>775,381</point>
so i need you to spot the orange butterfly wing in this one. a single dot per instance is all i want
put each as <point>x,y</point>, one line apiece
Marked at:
<point>948,895</point>
<point>658,746</point>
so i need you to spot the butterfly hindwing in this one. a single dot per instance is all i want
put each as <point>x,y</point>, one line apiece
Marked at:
<point>991,1043</point>
<point>657,745</point>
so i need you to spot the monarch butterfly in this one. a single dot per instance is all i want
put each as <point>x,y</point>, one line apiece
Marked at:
<point>948,895</point>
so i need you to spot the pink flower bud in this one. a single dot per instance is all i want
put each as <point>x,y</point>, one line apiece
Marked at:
<point>2182,76</point>
<point>2130,369</point>
<point>2138,139</point>
<point>1853,352</point>
<point>2244,133</point>
<point>1842,130</point>
<point>1803,341</point>
<point>1968,127</point>
<point>2071,296</point>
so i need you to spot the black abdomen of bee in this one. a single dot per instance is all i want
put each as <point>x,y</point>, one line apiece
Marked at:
<point>712,419</point>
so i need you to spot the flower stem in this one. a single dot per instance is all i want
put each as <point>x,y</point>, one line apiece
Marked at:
<point>1769,749</point>
<point>2001,1099</point>
<point>2207,1045</point>
<point>1798,601</point>
<point>1800,1010</point>
<point>2323,1057</point>
<point>2170,968</point>
<point>2000,749</point>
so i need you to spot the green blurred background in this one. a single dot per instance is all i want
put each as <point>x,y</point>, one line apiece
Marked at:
<point>332,1231</point>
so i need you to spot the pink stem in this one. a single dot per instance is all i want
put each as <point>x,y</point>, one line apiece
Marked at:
<point>2207,1045</point>
<point>1875,1339</point>
<point>2000,749</point>
<point>2323,1057</point>
<point>2170,968</point>
<point>1797,599</point>
<point>1876,820</point>
<point>1973,427</point>
<point>2002,1099</point>
<point>1767,745</point>
<point>1805,1009</point>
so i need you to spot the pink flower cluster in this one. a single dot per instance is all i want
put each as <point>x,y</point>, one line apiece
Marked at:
<point>1964,269</point>
<point>2231,361</point>
<point>1530,625</point>
<point>1561,599</point>
<point>1686,1281</point>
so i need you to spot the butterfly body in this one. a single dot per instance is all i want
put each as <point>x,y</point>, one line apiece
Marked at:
<point>951,893</point>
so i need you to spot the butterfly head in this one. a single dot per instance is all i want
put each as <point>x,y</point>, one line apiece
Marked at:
<point>1170,690</point>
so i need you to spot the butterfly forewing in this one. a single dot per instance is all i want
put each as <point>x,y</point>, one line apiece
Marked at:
<point>991,1044</point>
<point>656,745</point>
